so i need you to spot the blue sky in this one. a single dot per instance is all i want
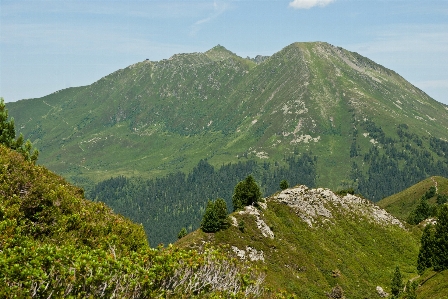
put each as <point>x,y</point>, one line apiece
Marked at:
<point>50,45</point>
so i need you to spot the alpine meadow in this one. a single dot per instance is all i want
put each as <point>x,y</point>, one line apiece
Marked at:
<point>311,173</point>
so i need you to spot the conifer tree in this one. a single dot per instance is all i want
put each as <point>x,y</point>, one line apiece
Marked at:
<point>221,213</point>
<point>182,233</point>
<point>425,255</point>
<point>246,193</point>
<point>441,240</point>
<point>7,130</point>
<point>215,216</point>
<point>8,135</point>
<point>284,185</point>
<point>396,283</point>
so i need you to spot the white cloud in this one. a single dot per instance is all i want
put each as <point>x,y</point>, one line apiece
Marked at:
<point>218,9</point>
<point>306,4</point>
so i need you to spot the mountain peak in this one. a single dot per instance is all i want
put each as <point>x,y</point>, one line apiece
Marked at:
<point>219,52</point>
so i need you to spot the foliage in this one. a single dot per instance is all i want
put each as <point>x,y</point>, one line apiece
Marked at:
<point>441,240</point>
<point>344,192</point>
<point>441,199</point>
<point>434,244</point>
<point>426,252</point>
<point>182,233</point>
<point>336,293</point>
<point>420,213</point>
<point>410,290</point>
<point>246,193</point>
<point>284,184</point>
<point>56,244</point>
<point>396,285</point>
<point>215,216</point>
<point>8,135</point>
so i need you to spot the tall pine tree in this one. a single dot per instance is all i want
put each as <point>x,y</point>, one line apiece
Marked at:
<point>425,255</point>
<point>441,240</point>
<point>396,283</point>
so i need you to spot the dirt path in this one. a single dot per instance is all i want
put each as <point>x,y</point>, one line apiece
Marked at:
<point>435,184</point>
<point>410,282</point>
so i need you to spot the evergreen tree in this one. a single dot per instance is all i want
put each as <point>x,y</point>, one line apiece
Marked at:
<point>209,222</point>
<point>215,216</point>
<point>246,193</point>
<point>7,130</point>
<point>284,185</point>
<point>420,213</point>
<point>425,255</point>
<point>396,283</point>
<point>8,135</point>
<point>221,213</point>
<point>182,233</point>
<point>441,240</point>
<point>411,289</point>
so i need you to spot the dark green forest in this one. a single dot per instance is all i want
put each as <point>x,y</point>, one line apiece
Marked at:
<point>165,205</point>
<point>396,164</point>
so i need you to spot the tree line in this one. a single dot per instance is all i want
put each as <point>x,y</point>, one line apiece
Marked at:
<point>166,205</point>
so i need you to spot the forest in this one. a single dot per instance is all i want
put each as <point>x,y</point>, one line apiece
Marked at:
<point>165,205</point>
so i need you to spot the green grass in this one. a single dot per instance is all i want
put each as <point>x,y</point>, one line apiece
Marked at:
<point>401,204</point>
<point>353,252</point>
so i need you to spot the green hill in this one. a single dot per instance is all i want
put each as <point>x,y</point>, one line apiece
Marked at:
<point>311,240</point>
<point>56,244</point>
<point>401,204</point>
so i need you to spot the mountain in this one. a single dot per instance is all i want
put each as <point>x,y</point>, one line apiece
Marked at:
<point>309,241</point>
<point>364,122</point>
<point>157,139</point>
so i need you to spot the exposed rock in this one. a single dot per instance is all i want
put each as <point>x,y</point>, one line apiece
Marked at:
<point>264,228</point>
<point>233,221</point>
<point>261,225</point>
<point>250,253</point>
<point>381,292</point>
<point>312,205</point>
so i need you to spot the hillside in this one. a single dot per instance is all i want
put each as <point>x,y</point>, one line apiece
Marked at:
<point>311,240</point>
<point>56,244</point>
<point>401,204</point>
<point>151,119</point>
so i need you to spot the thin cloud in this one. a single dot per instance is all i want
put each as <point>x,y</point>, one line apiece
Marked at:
<point>307,4</point>
<point>218,9</point>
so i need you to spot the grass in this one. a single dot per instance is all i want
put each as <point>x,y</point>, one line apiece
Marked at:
<point>353,252</point>
<point>401,204</point>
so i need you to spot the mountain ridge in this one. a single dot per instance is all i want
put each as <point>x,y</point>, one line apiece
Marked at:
<point>152,119</point>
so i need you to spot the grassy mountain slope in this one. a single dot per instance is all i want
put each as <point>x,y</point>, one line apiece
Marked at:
<point>401,204</point>
<point>56,244</point>
<point>310,240</point>
<point>155,118</point>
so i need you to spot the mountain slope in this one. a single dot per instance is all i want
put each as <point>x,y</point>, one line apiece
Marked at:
<point>56,244</point>
<point>155,118</point>
<point>311,240</point>
<point>402,203</point>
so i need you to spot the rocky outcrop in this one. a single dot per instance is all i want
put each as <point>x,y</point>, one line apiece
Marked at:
<point>313,205</point>
<point>261,225</point>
